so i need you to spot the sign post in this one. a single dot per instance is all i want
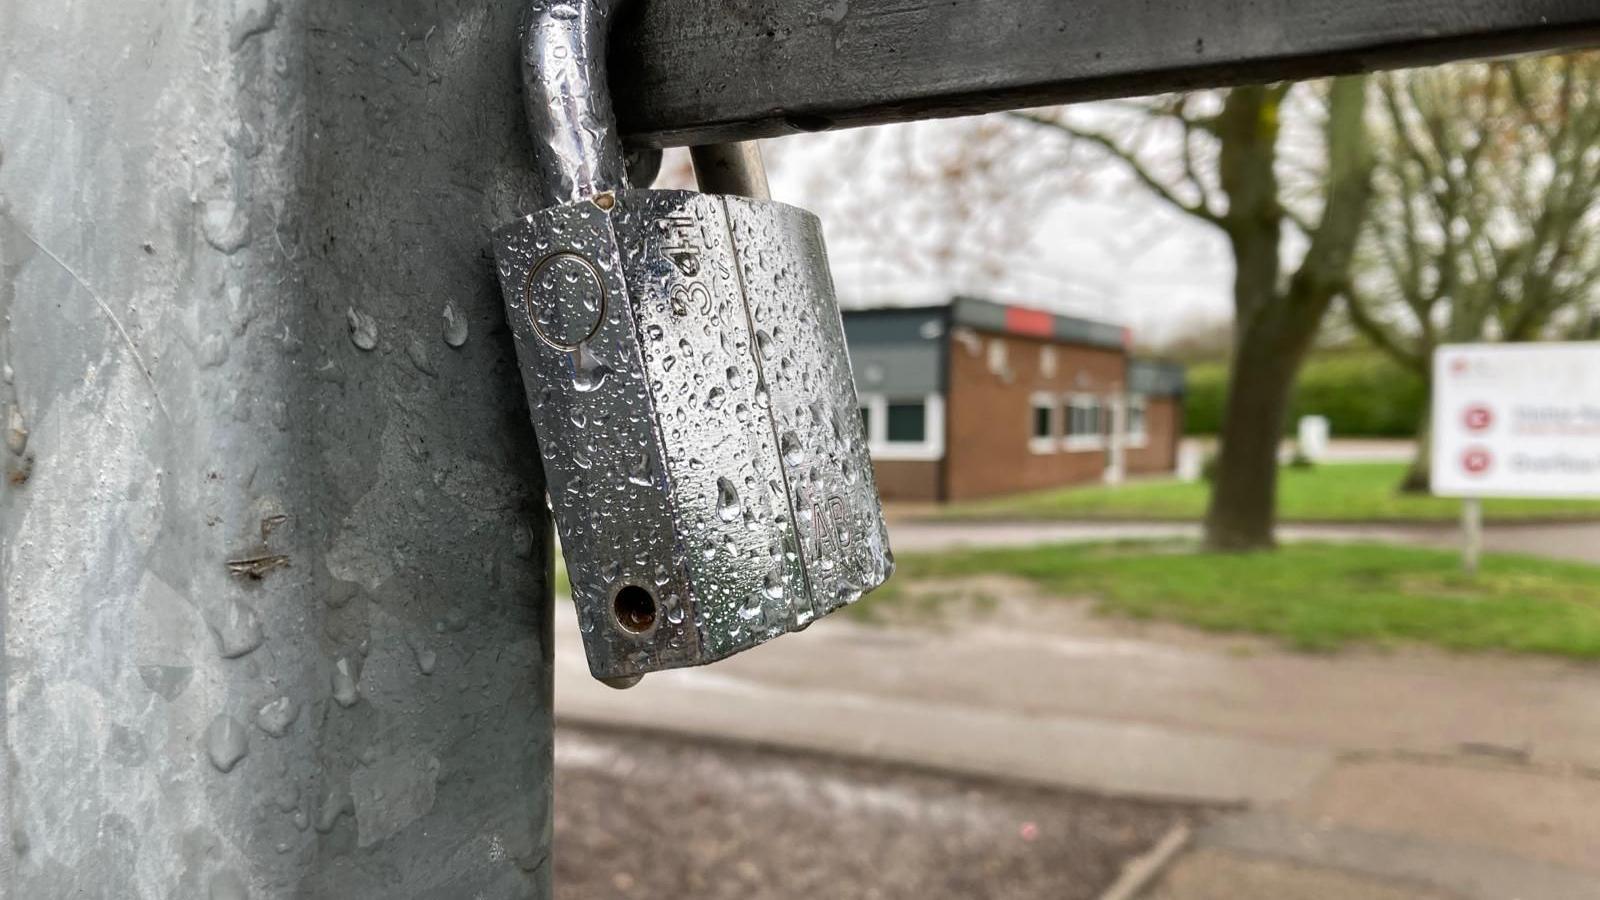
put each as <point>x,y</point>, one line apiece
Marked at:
<point>1471,534</point>
<point>1514,420</point>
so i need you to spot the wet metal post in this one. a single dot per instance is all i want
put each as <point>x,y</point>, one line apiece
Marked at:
<point>273,557</point>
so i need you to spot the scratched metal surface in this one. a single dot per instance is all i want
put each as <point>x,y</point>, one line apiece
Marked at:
<point>272,552</point>
<point>710,410</point>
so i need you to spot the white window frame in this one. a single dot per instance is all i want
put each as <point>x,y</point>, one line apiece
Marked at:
<point>1051,442</point>
<point>998,358</point>
<point>932,445</point>
<point>1140,438</point>
<point>1077,443</point>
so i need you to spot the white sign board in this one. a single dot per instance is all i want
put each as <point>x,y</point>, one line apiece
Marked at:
<point>1516,420</point>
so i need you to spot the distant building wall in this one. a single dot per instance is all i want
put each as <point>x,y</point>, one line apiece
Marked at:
<point>999,383</point>
<point>973,399</point>
<point>907,480</point>
<point>1163,430</point>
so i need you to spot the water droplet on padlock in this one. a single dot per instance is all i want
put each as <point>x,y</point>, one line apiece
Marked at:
<point>714,397</point>
<point>655,332</point>
<point>727,500</point>
<point>764,345</point>
<point>794,453</point>
<point>639,471</point>
<point>589,373</point>
<point>772,587</point>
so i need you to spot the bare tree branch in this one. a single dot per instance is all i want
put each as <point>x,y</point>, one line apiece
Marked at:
<point>1126,157</point>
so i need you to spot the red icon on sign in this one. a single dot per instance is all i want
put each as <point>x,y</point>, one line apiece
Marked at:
<point>1476,460</point>
<point>1459,366</point>
<point>1477,417</point>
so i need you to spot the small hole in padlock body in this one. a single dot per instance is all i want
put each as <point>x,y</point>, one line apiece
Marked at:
<point>634,608</point>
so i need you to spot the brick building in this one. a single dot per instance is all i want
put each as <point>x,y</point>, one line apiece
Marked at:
<point>973,398</point>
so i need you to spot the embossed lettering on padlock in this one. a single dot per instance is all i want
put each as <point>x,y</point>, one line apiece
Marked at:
<point>687,376</point>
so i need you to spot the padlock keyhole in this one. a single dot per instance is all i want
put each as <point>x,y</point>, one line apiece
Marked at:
<point>635,608</point>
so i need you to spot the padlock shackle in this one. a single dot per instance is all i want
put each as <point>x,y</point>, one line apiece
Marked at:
<point>577,149</point>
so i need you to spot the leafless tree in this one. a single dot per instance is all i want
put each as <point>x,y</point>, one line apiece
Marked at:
<point>954,205</point>
<point>1486,218</point>
<point>1291,215</point>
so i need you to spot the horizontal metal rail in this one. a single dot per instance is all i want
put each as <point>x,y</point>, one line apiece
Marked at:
<point>703,71</point>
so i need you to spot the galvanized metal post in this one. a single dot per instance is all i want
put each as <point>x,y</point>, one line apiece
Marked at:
<point>274,562</point>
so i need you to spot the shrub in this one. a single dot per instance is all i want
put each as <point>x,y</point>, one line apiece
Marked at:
<point>1362,393</point>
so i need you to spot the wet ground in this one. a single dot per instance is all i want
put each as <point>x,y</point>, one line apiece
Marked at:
<point>639,815</point>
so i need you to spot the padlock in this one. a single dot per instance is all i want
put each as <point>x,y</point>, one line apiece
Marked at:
<point>686,371</point>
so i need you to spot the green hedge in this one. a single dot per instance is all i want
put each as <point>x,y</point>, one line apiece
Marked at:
<point>1362,394</point>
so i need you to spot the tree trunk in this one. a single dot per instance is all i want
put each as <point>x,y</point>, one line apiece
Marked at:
<point>1274,325</point>
<point>1244,495</point>
<point>1419,476</point>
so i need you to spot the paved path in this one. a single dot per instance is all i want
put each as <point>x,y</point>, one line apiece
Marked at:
<point>1364,776</point>
<point>1578,541</point>
<point>1340,450</point>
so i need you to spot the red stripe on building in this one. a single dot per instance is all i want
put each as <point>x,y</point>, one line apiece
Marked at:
<point>1030,321</point>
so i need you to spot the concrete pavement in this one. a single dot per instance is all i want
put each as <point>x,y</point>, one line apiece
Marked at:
<point>1483,771</point>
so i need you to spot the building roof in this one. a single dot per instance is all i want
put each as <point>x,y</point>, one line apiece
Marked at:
<point>899,349</point>
<point>1008,318</point>
<point>1156,377</point>
<point>977,312</point>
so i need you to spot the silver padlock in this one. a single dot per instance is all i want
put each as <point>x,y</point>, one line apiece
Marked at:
<point>686,371</point>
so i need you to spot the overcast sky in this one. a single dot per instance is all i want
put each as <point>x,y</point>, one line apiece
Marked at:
<point>1099,248</point>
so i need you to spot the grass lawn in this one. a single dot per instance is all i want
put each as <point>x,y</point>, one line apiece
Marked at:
<point>1353,492</point>
<point>1313,596</point>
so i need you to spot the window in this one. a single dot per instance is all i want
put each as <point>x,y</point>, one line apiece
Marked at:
<point>1137,433</point>
<point>997,356</point>
<point>907,422</point>
<point>904,428</point>
<point>1042,425</point>
<point>1086,422</point>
